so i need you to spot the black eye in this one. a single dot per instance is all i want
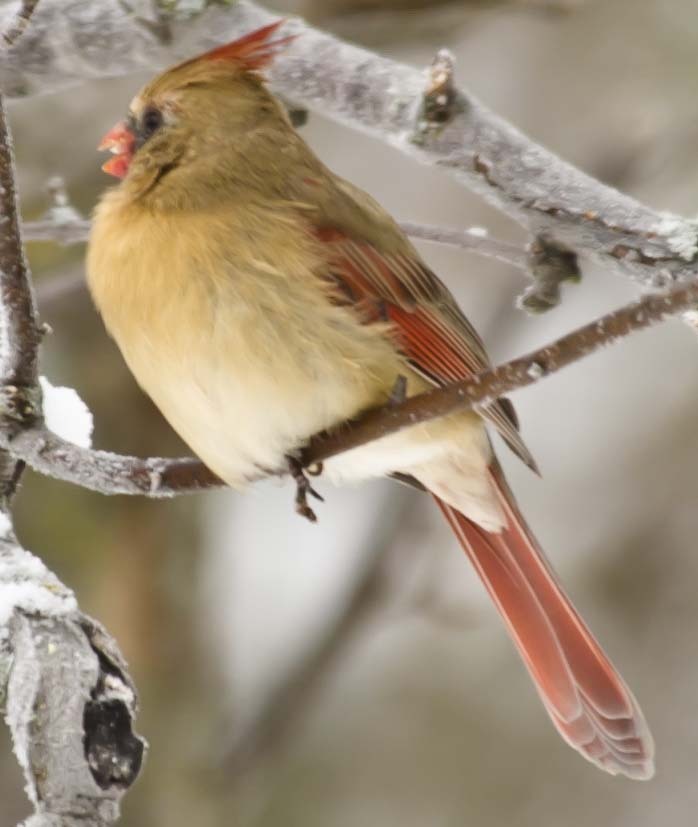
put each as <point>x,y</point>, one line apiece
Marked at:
<point>151,121</point>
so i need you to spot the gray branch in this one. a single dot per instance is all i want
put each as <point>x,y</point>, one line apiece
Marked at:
<point>73,229</point>
<point>111,473</point>
<point>68,699</point>
<point>423,114</point>
<point>65,226</point>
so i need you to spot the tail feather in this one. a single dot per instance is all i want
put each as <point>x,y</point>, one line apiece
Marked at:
<point>584,695</point>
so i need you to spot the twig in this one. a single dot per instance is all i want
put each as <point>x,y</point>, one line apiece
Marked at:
<point>19,357</point>
<point>76,230</point>
<point>23,17</point>
<point>483,389</point>
<point>158,477</point>
<point>73,229</point>
<point>109,473</point>
<point>474,240</point>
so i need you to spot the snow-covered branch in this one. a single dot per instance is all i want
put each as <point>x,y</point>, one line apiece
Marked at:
<point>475,240</point>
<point>109,473</point>
<point>63,224</point>
<point>73,229</point>
<point>68,700</point>
<point>64,227</point>
<point>424,115</point>
<point>486,387</point>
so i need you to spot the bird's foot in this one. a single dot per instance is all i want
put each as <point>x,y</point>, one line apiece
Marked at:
<point>303,489</point>
<point>399,392</point>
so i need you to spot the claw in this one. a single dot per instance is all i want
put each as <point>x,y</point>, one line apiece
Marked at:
<point>303,489</point>
<point>399,392</point>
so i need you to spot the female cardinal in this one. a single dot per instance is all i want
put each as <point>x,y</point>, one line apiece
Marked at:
<point>260,299</point>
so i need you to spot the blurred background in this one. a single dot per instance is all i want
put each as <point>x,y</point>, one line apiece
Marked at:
<point>353,672</point>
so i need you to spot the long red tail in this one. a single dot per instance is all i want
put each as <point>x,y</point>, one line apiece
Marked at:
<point>586,698</point>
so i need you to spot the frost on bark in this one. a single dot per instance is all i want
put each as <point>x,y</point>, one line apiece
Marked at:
<point>69,704</point>
<point>422,113</point>
<point>67,697</point>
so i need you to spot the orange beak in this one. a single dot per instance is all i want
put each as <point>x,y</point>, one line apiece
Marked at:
<point>122,142</point>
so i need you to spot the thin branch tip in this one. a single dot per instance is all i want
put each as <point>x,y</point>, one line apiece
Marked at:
<point>21,22</point>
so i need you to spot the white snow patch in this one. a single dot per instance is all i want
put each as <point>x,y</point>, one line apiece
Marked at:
<point>5,525</point>
<point>27,585</point>
<point>681,235</point>
<point>66,414</point>
<point>31,598</point>
<point>535,371</point>
<point>478,232</point>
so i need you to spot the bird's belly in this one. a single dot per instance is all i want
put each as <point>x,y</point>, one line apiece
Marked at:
<point>242,406</point>
<point>242,409</point>
<point>411,450</point>
<point>244,430</point>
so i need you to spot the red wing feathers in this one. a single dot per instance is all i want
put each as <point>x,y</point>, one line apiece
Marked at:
<point>429,327</point>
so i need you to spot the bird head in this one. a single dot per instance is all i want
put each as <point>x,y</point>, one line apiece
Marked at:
<point>198,113</point>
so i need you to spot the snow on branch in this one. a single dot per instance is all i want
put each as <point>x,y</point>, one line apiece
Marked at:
<point>109,473</point>
<point>426,116</point>
<point>69,702</point>
<point>63,224</point>
<point>73,229</point>
<point>64,687</point>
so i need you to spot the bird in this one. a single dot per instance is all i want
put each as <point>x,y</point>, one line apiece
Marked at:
<point>260,299</point>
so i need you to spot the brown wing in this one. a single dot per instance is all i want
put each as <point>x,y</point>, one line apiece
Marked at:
<point>430,328</point>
